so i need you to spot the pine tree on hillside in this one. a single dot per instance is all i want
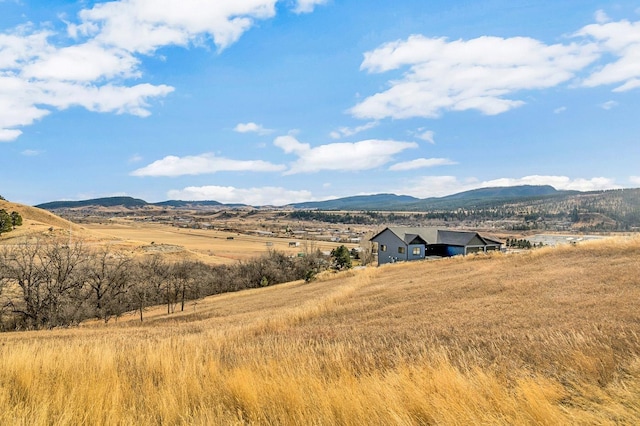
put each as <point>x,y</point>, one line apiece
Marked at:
<point>16,219</point>
<point>5,222</point>
<point>9,221</point>
<point>341,257</point>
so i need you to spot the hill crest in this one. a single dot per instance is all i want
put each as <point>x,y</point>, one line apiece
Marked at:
<point>382,201</point>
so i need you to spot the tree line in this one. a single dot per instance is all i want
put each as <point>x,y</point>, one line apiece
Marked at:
<point>46,284</point>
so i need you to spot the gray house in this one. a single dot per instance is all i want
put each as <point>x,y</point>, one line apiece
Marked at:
<point>402,243</point>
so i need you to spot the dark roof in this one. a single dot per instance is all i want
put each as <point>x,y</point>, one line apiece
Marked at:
<point>413,239</point>
<point>455,238</point>
<point>411,235</point>
<point>491,240</point>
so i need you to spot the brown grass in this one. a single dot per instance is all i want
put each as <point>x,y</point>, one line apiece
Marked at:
<point>213,247</point>
<point>548,337</point>
<point>140,238</point>
<point>38,221</point>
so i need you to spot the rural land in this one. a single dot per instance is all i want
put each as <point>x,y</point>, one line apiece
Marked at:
<point>117,311</point>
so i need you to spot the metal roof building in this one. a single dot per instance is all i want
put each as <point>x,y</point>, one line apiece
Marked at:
<point>404,243</point>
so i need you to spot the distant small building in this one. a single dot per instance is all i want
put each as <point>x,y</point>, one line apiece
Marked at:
<point>294,244</point>
<point>403,243</point>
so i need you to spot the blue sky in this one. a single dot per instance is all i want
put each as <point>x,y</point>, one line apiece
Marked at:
<point>272,102</point>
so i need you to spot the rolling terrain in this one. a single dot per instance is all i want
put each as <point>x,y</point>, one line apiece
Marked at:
<point>546,337</point>
<point>38,221</point>
<point>521,208</point>
<point>140,238</point>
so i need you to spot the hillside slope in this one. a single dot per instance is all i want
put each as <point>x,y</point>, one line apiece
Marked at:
<point>548,337</point>
<point>36,221</point>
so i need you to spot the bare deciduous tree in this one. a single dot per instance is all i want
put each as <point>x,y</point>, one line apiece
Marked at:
<point>49,280</point>
<point>108,277</point>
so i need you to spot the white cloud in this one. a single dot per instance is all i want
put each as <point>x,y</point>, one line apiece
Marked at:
<point>307,6</point>
<point>621,39</point>
<point>143,26</point>
<point>559,110</point>
<point>31,152</point>
<point>82,63</point>
<point>601,17</point>
<point>609,105</point>
<point>363,155</point>
<point>426,135</point>
<point>203,164</point>
<point>261,196</point>
<point>634,180</point>
<point>350,131</point>
<point>459,75</point>
<point>43,77</point>
<point>486,73</point>
<point>435,186</point>
<point>421,163</point>
<point>93,63</point>
<point>558,182</point>
<point>439,186</point>
<point>8,135</point>
<point>251,128</point>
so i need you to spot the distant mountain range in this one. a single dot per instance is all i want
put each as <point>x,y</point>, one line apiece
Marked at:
<point>380,202</point>
<point>459,200</point>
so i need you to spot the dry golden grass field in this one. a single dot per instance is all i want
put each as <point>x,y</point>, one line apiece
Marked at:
<point>210,246</point>
<point>140,238</point>
<point>547,337</point>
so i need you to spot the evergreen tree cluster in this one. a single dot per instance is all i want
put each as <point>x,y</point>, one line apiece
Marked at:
<point>521,243</point>
<point>8,221</point>
<point>341,258</point>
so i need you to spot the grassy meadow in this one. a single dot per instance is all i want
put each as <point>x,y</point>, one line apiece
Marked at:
<point>546,337</point>
<point>212,247</point>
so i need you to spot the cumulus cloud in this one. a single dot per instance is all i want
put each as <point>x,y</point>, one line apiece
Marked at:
<point>93,64</point>
<point>8,135</point>
<point>144,26</point>
<point>363,155</point>
<point>203,164</point>
<point>622,40</point>
<point>421,163</point>
<point>480,74</point>
<point>251,128</point>
<point>487,73</point>
<point>82,63</point>
<point>438,186</point>
<point>260,196</point>
<point>634,180</point>
<point>609,105</point>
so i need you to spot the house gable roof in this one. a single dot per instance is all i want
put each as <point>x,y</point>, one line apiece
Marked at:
<point>417,235</point>
<point>414,239</point>
<point>455,238</point>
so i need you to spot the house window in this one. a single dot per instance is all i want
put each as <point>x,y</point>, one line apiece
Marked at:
<point>401,250</point>
<point>383,247</point>
<point>416,251</point>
